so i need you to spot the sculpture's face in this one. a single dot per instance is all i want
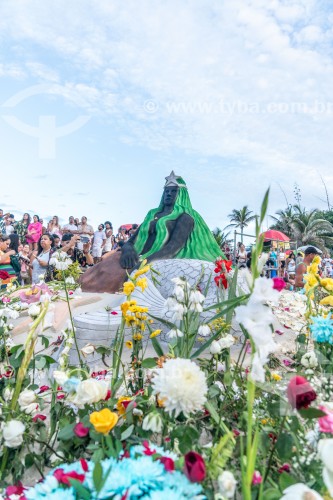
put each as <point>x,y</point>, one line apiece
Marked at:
<point>170,195</point>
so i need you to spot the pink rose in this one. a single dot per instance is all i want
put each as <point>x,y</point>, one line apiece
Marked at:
<point>326,423</point>
<point>279,284</point>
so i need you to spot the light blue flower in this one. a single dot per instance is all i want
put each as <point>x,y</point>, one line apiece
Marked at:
<point>71,384</point>
<point>322,329</point>
<point>49,490</point>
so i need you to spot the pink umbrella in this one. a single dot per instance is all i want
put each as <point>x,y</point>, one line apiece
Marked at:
<point>271,234</point>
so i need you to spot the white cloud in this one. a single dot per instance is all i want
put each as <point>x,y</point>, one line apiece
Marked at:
<point>117,56</point>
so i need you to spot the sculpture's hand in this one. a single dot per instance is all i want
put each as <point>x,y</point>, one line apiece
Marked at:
<point>129,257</point>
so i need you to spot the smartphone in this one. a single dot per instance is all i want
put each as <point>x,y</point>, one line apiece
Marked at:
<point>85,239</point>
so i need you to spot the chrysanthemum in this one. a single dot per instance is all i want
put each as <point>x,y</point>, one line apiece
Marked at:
<point>181,385</point>
<point>322,329</point>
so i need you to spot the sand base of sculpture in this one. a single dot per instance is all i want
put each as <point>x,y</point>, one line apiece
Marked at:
<point>99,327</point>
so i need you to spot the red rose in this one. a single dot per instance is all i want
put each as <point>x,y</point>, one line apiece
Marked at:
<point>300,392</point>
<point>284,468</point>
<point>168,463</point>
<point>64,477</point>
<point>80,430</point>
<point>18,489</point>
<point>39,416</point>
<point>194,467</point>
<point>4,276</point>
<point>148,451</point>
<point>279,284</point>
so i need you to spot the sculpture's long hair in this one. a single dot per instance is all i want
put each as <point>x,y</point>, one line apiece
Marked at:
<point>200,244</point>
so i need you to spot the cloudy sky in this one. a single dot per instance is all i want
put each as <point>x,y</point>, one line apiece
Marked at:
<point>100,100</point>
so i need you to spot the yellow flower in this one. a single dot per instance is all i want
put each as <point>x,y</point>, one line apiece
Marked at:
<point>264,421</point>
<point>316,260</point>
<point>142,327</point>
<point>128,287</point>
<point>124,307</point>
<point>310,279</point>
<point>154,334</point>
<point>312,269</point>
<point>327,283</point>
<point>129,344</point>
<point>142,283</point>
<point>130,320</point>
<point>327,301</point>
<point>122,407</point>
<point>276,376</point>
<point>137,336</point>
<point>140,272</point>
<point>104,420</point>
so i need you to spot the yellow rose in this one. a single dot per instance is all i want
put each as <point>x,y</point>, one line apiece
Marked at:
<point>154,334</point>
<point>128,287</point>
<point>104,420</point>
<point>327,301</point>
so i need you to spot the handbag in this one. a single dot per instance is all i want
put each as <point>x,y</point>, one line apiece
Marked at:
<point>15,263</point>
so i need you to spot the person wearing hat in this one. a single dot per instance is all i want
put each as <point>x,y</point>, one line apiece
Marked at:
<point>309,254</point>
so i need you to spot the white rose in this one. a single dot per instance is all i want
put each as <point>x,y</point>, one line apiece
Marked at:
<point>227,484</point>
<point>33,310</point>
<point>26,398</point>
<point>90,391</point>
<point>60,377</point>
<point>23,306</point>
<point>152,422</point>
<point>204,330</point>
<point>13,433</point>
<point>215,347</point>
<point>227,341</point>
<point>300,491</point>
<point>309,360</point>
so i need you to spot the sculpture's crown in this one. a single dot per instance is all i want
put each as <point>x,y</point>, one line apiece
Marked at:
<point>174,180</point>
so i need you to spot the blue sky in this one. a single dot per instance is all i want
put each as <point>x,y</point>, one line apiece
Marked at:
<point>234,96</point>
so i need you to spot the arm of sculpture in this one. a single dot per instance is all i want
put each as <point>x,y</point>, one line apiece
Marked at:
<point>129,256</point>
<point>182,230</point>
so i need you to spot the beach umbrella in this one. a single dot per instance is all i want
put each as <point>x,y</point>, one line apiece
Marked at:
<point>302,249</point>
<point>274,235</point>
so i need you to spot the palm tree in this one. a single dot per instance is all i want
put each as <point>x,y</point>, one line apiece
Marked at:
<point>309,228</point>
<point>284,220</point>
<point>240,218</point>
<point>221,237</point>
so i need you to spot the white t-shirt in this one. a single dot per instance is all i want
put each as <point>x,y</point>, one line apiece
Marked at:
<point>99,236</point>
<point>70,227</point>
<point>9,229</point>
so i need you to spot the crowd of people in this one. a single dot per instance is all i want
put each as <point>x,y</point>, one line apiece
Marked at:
<point>27,245</point>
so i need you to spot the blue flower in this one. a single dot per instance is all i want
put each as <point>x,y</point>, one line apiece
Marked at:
<point>71,384</point>
<point>49,490</point>
<point>322,329</point>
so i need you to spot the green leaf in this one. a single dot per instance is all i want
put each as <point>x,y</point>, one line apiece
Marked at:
<point>45,341</point>
<point>284,446</point>
<point>148,363</point>
<point>19,350</point>
<point>311,413</point>
<point>264,206</point>
<point>66,432</point>
<point>40,362</point>
<point>81,490</point>
<point>285,481</point>
<point>29,460</point>
<point>157,346</point>
<point>126,434</point>
<point>97,476</point>
<point>272,494</point>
